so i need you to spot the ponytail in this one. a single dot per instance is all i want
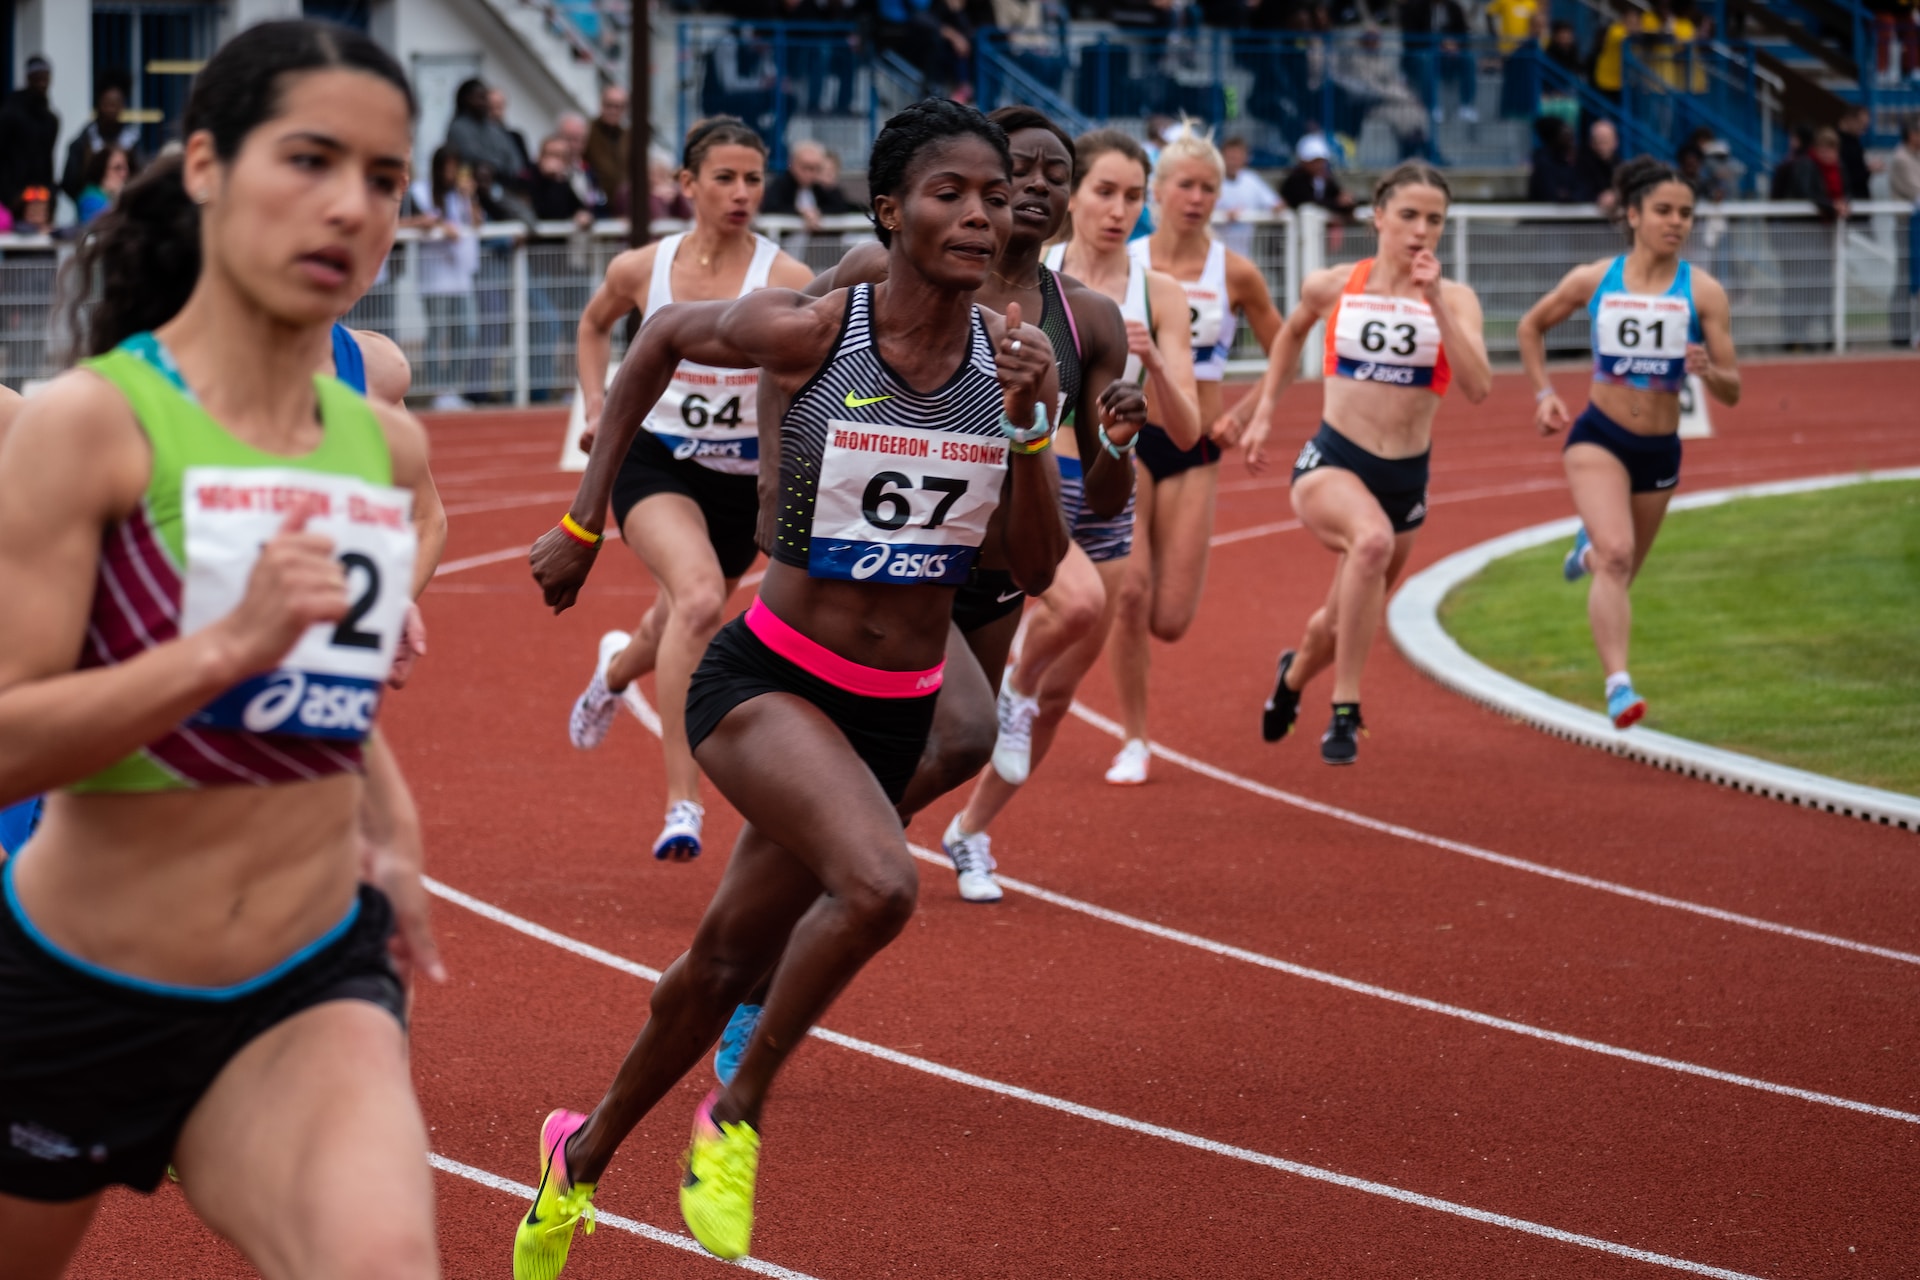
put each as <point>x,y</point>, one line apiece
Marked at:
<point>139,262</point>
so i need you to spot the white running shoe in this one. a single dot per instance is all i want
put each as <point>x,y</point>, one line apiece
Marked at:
<point>972,858</point>
<point>1129,768</point>
<point>679,839</point>
<point>594,710</point>
<point>1013,749</point>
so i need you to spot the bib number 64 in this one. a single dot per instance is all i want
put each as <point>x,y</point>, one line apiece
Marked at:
<point>885,508</point>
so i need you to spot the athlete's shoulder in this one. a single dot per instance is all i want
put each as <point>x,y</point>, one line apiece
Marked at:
<point>1242,274</point>
<point>1165,291</point>
<point>631,270</point>
<point>406,441</point>
<point>1324,286</point>
<point>81,423</point>
<point>1708,293</point>
<point>788,272</point>
<point>389,372</point>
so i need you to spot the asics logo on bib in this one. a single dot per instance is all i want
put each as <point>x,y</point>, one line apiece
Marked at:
<point>1628,366</point>
<point>1399,375</point>
<point>295,702</point>
<point>900,565</point>
<point>686,449</point>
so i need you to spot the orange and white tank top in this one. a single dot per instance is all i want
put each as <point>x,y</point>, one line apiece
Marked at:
<point>1373,337</point>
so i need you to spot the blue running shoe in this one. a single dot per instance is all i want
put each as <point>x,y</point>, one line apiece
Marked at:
<point>733,1041</point>
<point>1625,706</point>
<point>1574,567</point>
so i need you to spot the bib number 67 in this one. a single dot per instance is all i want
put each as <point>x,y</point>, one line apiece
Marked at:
<point>884,508</point>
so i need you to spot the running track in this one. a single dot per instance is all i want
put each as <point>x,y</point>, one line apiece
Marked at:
<point>1433,981</point>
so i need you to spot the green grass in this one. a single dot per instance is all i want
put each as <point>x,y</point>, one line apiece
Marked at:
<point>1787,628</point>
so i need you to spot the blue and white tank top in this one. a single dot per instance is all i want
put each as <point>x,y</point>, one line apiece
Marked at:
<point>1209,312</point>
<point>880,483</point>
<point>349,365</point>
<point>1132,307</point>
<point>710,415</point>
<point>1640,339</point>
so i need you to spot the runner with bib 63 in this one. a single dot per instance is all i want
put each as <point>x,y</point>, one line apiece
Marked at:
<point>912,415</point>
<point>1397,336</point>
<point>1656,319</point>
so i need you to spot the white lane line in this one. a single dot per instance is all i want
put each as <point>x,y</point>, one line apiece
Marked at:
<point>646,1231</point>
<point>1201,767</point>
<point>1113,1119</point>
<point>1231,952</point>
<point>497,557</point>
<point>1466,495</point>
<point>508,502</point>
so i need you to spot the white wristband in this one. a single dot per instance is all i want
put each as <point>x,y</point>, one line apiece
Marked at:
<point>1540,396</point>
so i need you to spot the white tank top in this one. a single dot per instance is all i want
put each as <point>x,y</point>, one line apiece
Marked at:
<point>709,415</point>
<point>1132,307</point>
<point>1209,312</point>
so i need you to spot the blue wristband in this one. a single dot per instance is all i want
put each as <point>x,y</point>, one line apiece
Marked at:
<point>1026,435</point>
<point>1120,452</point>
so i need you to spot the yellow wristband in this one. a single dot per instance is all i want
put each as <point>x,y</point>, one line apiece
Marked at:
<point>573,529</point>
<point>1030,449</point>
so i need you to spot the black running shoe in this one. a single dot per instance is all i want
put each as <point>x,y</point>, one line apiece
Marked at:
<point>1283,708</point>
<point>1340,744</point>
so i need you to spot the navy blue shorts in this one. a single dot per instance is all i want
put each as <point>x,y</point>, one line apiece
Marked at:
<point>1163,458</point>
<point>1102,540</point>
<point>1652,462</point>
<point>1399,485</point>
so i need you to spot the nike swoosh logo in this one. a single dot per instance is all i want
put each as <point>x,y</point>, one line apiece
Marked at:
<point>854,402</point>
<point>1009,595</point>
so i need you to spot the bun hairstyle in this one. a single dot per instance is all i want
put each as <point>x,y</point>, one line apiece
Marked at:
<point>1015,118</point>
<point>1413,173</point>
<point>1633,181</point>
<point>907,133</point>
<point>141,260</point>
<point>718,131</point>
<point>1189,143</point>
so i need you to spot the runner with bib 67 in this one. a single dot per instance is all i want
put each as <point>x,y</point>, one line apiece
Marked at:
<point>1656,319</point>
<point>1397,336</point>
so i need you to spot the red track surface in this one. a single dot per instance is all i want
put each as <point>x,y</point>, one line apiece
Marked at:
<point>877,1169</point>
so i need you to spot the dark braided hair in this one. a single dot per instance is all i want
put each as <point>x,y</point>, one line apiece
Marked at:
<point>1020,116</point>
<point>1634,179</point>
<point>718,131</point>
<point>908,133</point>
<point>141,259</point>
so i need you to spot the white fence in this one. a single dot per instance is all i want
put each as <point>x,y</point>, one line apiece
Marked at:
<point>1796,283</point>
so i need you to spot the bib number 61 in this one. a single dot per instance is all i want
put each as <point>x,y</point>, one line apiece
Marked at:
<point>884,508</point>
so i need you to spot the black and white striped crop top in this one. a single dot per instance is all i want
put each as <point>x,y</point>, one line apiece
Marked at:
<point>879,483</point>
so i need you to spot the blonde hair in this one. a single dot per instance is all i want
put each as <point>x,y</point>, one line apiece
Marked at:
<point>1189,144</point>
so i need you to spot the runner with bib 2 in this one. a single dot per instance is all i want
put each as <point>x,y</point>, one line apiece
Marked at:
<point>1656,320</point>
<point>207,550</point>
<point>1397,337</point>
<point>811,712</point>
<point>686,497</point>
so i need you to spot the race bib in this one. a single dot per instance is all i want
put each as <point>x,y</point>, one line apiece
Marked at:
<point>1206,315</point>
<point>903,505</point>
<point>329,686</point>
<point>1390,340</point>
<point>1642,337</point>
<point>711,416</point>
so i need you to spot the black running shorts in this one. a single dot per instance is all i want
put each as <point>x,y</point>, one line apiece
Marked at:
<point>1399,485</point>
<point>731,504</point>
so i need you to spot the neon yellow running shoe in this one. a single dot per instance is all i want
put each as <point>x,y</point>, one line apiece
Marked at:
<point>716,1196</point>
<point>541,1241</point>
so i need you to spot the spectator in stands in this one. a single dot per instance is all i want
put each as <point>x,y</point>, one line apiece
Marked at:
<point>1811,173</point>
<point>552,193</point>
<point>571,129</point>
<point>606,150</point>
<point>448,263</point>
<point>29,128</point>
<point>1033,29</point>
<point>1367,84</point>
<point>665,199</point>
<point>1242,191</point>
<point>1311,180</point>
<point>1519,26</point>
<point>1855,168</point>
<point>523,158</point>
<point>1555,177</point>
<point>1434,37</point>
<point>107,172</point>
<point>1563,48</point>
<point>108,128</point>
<point>803,188</point>
<point>1691,161</point>
<point>1607,70</point>
<point>1903,181</point>
<point>486,147</point>
<point>36,212</point>
<point>1598,159</point>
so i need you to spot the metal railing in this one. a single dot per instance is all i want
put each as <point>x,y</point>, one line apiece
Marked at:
<point>1796,283</point>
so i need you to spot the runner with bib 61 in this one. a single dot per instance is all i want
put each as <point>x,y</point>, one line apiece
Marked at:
<point>912,415</point>
<point>1656,319</point>
<point>1397,336</point>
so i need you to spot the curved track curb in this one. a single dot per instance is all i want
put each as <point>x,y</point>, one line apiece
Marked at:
<point>1413,619</point>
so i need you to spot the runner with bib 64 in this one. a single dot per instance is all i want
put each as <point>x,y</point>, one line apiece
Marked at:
<point>912,414</point>
<point>1655,320</point>
<point>1397,336</point>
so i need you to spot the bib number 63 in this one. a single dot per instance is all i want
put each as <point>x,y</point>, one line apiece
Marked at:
<point>886,506</point>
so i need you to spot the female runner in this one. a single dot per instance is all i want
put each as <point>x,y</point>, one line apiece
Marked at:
<point>1168,567</point>
<point>190,970</point>
<point>1064,636</point>
<point>1656,319</point>
<point>685,497</point>
<point>1398,335</point>
<point>912,415</point>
